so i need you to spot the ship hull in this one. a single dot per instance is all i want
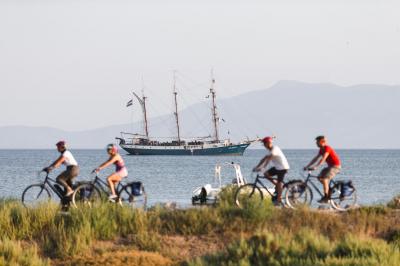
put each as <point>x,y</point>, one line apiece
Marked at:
<point>179,150</point>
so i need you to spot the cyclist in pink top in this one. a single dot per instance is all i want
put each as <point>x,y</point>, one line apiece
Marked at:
<point>328,155</point>
<point>120,169</point>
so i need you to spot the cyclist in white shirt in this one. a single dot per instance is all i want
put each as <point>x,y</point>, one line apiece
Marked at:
<point>280,167</point>
<point>72,171</point>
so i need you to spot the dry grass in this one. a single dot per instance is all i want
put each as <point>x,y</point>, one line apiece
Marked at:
<point>395,203</point>
<point>110,234</point>
<point>117,257</point>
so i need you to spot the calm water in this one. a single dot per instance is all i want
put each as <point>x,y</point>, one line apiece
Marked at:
<point>376,173</point>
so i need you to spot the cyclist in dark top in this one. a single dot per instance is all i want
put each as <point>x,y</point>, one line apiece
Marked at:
<point>120,169</point>
<point>328,155</point>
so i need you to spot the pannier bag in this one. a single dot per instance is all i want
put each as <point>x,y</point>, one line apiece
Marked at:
<point>137,188</point>
<point>346,188</point>
<point>85,192</point>
<point>299,188</point>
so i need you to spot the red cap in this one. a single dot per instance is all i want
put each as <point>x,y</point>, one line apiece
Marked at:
<point>61,143</point>
<point>267,139</point>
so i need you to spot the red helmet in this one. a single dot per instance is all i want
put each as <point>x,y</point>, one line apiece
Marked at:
<point>267,139</point>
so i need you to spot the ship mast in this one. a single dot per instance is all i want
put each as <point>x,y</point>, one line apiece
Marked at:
<point>142,102</point>
<point>175,92</point>
<point>214,108</point>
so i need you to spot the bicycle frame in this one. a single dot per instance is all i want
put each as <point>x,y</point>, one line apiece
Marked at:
<point>309,181</point>
<point>258,181</point>
<point>49,183</point>
<point>103,185</point>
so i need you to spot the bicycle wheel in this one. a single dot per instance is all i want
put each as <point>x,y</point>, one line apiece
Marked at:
<point>35,195</point>
<point>248,194</point>
<point>298,194</point>
<point>133,195</point>
<point>340,202</point>
<point>86,195</point>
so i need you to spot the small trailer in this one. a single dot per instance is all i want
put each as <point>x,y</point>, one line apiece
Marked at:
<point>208,194</point>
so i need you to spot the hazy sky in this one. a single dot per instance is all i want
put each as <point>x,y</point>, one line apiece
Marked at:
<point>72,64</point>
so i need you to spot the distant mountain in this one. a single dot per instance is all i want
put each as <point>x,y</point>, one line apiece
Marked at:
<point>362,116</point>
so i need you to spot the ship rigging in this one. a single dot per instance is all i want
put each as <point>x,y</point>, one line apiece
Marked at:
<point>137,144</point>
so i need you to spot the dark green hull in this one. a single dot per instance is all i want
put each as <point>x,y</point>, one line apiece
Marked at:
<point>154,150</point>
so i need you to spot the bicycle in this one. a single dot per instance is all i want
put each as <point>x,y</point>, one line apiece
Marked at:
<point>39,193</point>
<point>251,193</point>
<point>343,195</point>
<point>94,192</point>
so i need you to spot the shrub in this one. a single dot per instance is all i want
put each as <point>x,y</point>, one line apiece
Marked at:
<point>303,248</point>
<point>66,236</point>
<point>278,236</point>
<point>11,253</point>
<point>18,222</point>
<point>394,203</point>
<point>253,214</point>
<point>197,221</point>
<point>110,221</point>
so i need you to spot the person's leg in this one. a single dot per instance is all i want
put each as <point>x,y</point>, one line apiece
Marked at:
<point>325,183</point>
<point>112,182</point>
<point>62,180</point>
<point>269,175</point>
<point>69,182</point>
<point>279,185</point>
<point>73,173</point>
<point>324,179</point>
<point>333,171</point>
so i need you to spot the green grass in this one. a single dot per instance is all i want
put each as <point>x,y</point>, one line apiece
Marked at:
<point>304,248</point>
<point>359,237</point>
<point>12,253</point>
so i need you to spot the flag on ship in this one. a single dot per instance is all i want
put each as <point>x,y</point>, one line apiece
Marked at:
<point>129,103</point>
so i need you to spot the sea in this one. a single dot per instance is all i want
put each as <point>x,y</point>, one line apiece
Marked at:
<point>375,173</point>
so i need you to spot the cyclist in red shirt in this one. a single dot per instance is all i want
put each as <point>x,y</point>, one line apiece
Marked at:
<point>328,155</point>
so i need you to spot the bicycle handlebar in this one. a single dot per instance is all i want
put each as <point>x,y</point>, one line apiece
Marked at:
<point>40,177</point>
<point>255,175</point>
<point>94,174</point>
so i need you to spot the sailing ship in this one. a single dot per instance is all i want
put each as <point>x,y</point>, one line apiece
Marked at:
<point>142,144</point>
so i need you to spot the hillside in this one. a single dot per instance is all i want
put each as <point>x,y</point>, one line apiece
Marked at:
<point>362,116</point>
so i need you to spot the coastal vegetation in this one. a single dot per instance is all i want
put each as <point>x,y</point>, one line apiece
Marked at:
<point>222,234</point>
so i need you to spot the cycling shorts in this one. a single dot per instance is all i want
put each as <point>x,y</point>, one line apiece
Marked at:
<point>280,174</point>
<point>329,172</point>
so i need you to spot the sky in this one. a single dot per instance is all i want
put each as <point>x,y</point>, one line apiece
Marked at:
<point>73,64</point>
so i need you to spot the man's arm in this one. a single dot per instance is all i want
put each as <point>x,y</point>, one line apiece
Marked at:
<point>312,161</point>
<point>264,161</point>
<point>323,159</point>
